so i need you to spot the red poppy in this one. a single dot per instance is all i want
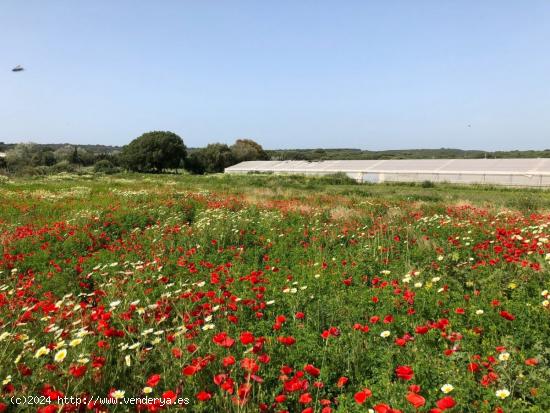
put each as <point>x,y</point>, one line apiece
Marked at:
<point>473,367</point>
<point>404,372</point>
<point>222,339</point>
<point>247,337</point>
<point>445,403</point>
<point>401,342</point>
<point>361,396</point>
<point>281,398</point>
<point>287,341</point>
<point>305,398</point>
<point>189,370</point>
<point>153,380</point>
<point>342,382</point>
<point>169,395</point>
<point>312,370</point>
<point>77,371</point>
<point>531,362</point>
<point>416,400</point>
<point>382,408</point>
<point>204,396</point>
<point>249,365</point>
<point>507,315</point>
<point>228,361</point>
<point>220,378</point>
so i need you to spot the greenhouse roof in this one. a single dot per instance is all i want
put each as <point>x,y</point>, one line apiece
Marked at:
<point>537,166</point>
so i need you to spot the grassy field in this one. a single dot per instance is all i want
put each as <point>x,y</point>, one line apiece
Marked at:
<point>269,293</point>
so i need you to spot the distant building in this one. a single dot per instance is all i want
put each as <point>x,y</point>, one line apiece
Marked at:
<point>534,172</point>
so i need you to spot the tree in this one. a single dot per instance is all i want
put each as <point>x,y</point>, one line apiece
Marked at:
<point>74,156</point>
<point>248,150</point>
<point>20,156</point>
<point>86,157</point>
<point>214,158</point>
<point>65,153</point>
<point>154,152</point>
<point>43,157</point>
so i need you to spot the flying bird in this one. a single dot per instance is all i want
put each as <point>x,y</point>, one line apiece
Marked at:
<point>17,68</point>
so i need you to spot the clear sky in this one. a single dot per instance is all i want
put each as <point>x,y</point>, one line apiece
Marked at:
<point>288,73</point>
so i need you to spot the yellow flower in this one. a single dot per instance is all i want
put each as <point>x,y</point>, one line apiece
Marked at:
<point>60,344</point>
<point>447,388</point>
<point>42,351</point>
<point>75,342</point>
<point>60,355</point>
<point>147,390</point>
<point>502,393</point>
<point>504,356</point>
<point>118,394</point>
<point>385,334</point>
<point>6,380</point>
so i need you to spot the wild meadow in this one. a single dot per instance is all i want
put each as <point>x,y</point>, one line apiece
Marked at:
<point>272,294</point>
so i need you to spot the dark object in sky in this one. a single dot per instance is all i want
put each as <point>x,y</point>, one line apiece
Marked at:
<point>17,68</point>
<point>469,126</point>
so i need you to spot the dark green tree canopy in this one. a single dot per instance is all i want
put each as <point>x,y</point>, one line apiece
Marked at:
<point>248,150</point>
<point>214,158</point>
<point>154,152</point>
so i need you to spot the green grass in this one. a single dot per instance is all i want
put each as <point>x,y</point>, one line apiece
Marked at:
<point>241,251</point>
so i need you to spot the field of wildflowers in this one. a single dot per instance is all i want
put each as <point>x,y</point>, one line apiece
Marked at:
<point>269,299</point>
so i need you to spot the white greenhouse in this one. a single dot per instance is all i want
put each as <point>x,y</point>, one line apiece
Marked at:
<point>510,172</point>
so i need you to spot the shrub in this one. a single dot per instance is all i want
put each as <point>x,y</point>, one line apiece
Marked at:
<point>339,178</point>
<point>63,166</point>
<point>105,166</point>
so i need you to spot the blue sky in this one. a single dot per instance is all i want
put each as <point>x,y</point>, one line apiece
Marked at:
<point>364,74</point>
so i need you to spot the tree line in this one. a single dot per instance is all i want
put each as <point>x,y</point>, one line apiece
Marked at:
<point>152,152</point>
<point>159,151</point>
<point>358,154</point>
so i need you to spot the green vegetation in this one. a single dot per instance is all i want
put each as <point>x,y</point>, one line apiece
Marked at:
<point>239,292</point>
<point>155,156</point>
<point>443,153</point>
<point>154,152</point>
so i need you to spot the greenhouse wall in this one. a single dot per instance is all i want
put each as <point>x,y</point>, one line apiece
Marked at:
<point>508,172</point>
